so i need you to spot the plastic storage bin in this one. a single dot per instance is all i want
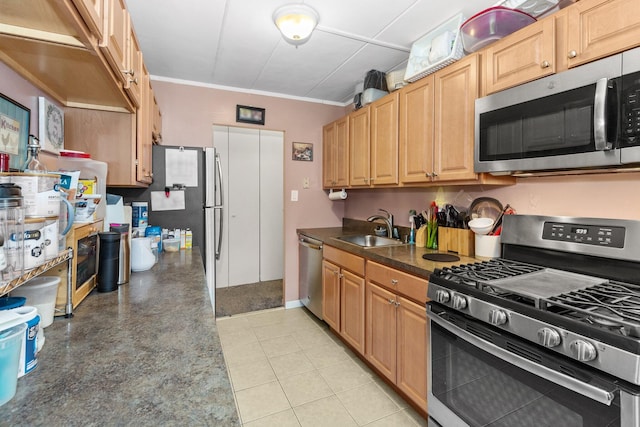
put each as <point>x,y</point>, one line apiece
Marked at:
<point>40,292</point>
<point>89,169</point>
<point>436,50</point>
<point>491,25</point>
<point>10,345</point>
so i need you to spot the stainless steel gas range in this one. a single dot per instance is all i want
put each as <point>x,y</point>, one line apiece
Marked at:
<point>547,335</point>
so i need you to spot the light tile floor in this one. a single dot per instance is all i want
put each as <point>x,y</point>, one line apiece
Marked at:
<point>288,369</point>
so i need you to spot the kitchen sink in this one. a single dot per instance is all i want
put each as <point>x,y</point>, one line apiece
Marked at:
<point>370,241</point>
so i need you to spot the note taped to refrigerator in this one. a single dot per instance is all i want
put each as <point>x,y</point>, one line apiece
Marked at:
<point>181,167</point>
<point>160,201</point>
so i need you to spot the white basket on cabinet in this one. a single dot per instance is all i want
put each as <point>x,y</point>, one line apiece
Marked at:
<point>419,65</point>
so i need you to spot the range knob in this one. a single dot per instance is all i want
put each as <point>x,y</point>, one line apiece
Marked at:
<point>497,317</point>
<point>583,351</point>
<point>459,302</point>
<point>548,337</point>
<point>442,296</point>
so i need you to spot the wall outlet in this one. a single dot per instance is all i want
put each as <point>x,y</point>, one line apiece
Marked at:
<point>305,182</point>
<point>294,195</point>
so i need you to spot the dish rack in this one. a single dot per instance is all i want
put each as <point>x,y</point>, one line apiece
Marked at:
<point>419,65</point>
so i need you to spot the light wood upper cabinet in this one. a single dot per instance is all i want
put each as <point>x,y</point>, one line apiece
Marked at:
<point>133,83</point>
<point>416,131</point>
<point>384,140</point>
<point>92,12</point>
<point>116,38</point>
<point>598,28</point>
<point>157,122</point>
<point>456,89</point>
<point>359,148</point>
<point>144,138</point>
<point>526,55</point>
<point>335,153</point>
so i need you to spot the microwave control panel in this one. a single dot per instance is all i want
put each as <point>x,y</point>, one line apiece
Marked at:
<point>630,120</point>
<point>597,235</point>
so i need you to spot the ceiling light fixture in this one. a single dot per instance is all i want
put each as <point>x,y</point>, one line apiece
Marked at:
<point>296,22</point>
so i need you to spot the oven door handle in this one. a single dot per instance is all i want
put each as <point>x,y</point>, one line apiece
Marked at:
<point>587,390</point>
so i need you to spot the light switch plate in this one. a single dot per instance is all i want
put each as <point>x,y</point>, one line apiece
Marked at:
<point>294,195</point>
<point>305,182</point>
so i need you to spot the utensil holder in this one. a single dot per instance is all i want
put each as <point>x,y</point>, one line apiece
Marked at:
<point>458,240</point>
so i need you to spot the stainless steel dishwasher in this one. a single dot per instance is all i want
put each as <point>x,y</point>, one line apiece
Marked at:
<point>310,273</point>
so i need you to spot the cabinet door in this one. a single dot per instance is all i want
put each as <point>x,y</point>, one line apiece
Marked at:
<point>456,90</point>
<point>598,28</point>
<point>352,310</point>
<point>328,155</point>
<point>381,330</point>
<point>116,37</point>
<point>412,351</point>
<point>92,12</point>
<point>384,140</point>
<point>143,139</point>
<point>359,146</point>
<point>133,76</point>
<point>331,294</point>
<point>416,131</point>
<point>524,56</point>
<point>341,151</point>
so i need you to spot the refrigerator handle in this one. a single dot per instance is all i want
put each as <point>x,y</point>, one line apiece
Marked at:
<point>220,206</point>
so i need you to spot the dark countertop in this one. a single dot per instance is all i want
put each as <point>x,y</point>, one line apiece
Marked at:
<point>407,258</point>
<point>146,354</point>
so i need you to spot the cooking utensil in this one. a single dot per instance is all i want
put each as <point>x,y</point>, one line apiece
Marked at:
<point>498,221</point>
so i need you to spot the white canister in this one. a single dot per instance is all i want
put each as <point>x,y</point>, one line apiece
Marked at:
<point>39,193</point>
<point>51,239</point>
<point>140,214</point>
<point>33,243</point>
<point>488,246</point>
<point>141,256</point>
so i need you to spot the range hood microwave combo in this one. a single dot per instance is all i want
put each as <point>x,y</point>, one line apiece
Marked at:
<point>584,118</point>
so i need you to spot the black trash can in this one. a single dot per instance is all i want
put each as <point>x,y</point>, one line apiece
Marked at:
<point>108,259</point>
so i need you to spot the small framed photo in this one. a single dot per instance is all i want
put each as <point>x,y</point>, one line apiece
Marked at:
<point>251,115</point>
<point>51,126</point>
<point>303,151</point>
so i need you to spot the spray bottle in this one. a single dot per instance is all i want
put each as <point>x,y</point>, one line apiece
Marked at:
<point>412,231</point>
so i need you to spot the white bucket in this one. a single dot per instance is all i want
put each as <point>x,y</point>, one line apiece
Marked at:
<point>41,293</point>
<point>488,246</point>
<point>10,345</point>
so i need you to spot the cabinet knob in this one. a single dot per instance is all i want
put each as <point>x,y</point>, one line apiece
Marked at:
<point>572,54</point>
<point>428,175</point>
<point>434,175</point>
<point>545,64</point>
<point>134,81</point>
<point>391,301</point>
<point>394,282</point>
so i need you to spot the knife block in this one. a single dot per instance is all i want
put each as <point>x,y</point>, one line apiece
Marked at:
<point>458,240</point>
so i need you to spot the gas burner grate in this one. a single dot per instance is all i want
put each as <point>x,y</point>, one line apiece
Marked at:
<point>491,270</point>
<point>609,303</point>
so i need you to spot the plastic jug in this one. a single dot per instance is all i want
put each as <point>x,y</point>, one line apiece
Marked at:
<point>142,258</point>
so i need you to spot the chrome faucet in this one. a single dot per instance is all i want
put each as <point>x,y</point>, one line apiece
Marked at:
<point>388,220</point>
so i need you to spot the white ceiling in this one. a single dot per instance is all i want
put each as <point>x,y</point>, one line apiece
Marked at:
<point>234,43</point>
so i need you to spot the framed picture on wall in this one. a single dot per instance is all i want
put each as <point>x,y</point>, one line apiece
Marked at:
<point>51,126</point>
<point>14,131</point>
<point>253,115</point>
<point>303,151</point>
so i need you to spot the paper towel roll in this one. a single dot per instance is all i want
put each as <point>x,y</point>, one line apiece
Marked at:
<point>337,195</point>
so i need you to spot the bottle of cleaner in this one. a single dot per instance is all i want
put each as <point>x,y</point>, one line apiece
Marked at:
<point>412,231</point>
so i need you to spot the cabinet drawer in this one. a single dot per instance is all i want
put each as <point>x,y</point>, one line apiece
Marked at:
<point>409,286</point>
<point>344,259</point>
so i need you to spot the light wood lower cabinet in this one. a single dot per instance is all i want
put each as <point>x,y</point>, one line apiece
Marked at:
<point>343,295</point>
<point>396,329</point>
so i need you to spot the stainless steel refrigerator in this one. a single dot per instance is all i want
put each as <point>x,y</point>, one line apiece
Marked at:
<point>203,205</point>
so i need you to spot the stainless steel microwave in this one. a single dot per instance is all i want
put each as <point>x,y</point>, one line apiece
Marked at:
<point>583,118</point>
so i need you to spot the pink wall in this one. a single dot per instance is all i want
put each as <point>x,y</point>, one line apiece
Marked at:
<point>604,195</point>
<point>188,113</point>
